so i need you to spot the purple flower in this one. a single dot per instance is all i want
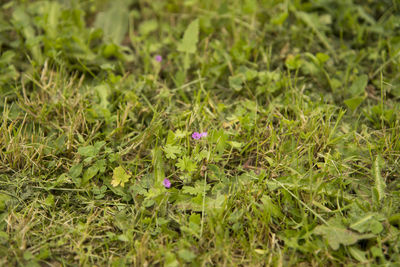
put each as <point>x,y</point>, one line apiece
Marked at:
<point>167,183</point>
<point>196,135</point>
<point>158,58</point>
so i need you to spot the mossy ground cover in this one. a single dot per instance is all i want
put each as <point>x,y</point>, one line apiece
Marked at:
<point>200,133</point>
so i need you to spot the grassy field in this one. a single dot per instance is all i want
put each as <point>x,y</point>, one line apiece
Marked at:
<point>200,133</point>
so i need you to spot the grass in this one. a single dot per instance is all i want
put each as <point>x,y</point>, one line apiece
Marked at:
<point>299,99</point>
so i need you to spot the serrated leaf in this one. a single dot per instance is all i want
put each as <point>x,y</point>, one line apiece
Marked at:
<point>180,134</point>
<point>368,223</point>
<point>171,151</point>
<point>379,188</point>
<point>336,235</point>
<point>204,154</point>
<point>186,164</point>
<point>190,38</point>
<point>120,177</point>
<point>220,139</point>
<point>198,189</point>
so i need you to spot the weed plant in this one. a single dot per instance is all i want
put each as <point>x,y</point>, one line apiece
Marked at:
<point>200,133</point>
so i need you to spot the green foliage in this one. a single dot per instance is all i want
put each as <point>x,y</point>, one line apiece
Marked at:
<point>190,38</point>
<point>172,151</point>
<point>114,22</point>
<point>337,235</point>
<point>120,177</point>
<point>298,99</point>
<point>186,164</point>
<point>379,188</point>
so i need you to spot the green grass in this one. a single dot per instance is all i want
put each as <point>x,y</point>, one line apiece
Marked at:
<point>299,99</point>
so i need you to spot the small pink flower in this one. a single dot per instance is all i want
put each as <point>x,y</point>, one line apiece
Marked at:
<point>196,135</point>
<point>167,183</point>
<point>158,58</point>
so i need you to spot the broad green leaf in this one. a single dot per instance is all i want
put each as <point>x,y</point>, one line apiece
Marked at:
<point>3,200</point>
<point>195,218</point>
<point>198,189</point>
<point>312,21</point>
<point>137,190</point>
<point>186,164</point>
<point>217,204</point>
<point>269,207</point>
<point>99,190</point>
<point>186,255</point>
<point>123,238</point>
<point>220,139</point>
<point>171,151</point>
<point>368,223</point>
<point>170,138</point>
<point>53,18</point>
<point>190,38</point>
<point>379,188</point>
<point>353,103</point>
<point>170,260</point>
<point>293,62</point>
<point>280,18</point>
<point>322,58</point>
<point>235,144</point>
<point>91,151</point>
<point>236,82</point>
<point>98,145</point>
<point>89,174</point>
<point>357,254</point>
<point>148,26</point>
<point>204,154</point>
<point>103,92</point>
<point>120,177</point>
<point>336,235</point>
<point>87,151</point>
<point>101,165</point>
<point>114,21</point>
<point>22,21</point>
<point>49,200</point>
<point>357,88</point>
<point>75,170</point>
<point>180,134</point>
<point>3,237</point>
<point>395,219</point>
